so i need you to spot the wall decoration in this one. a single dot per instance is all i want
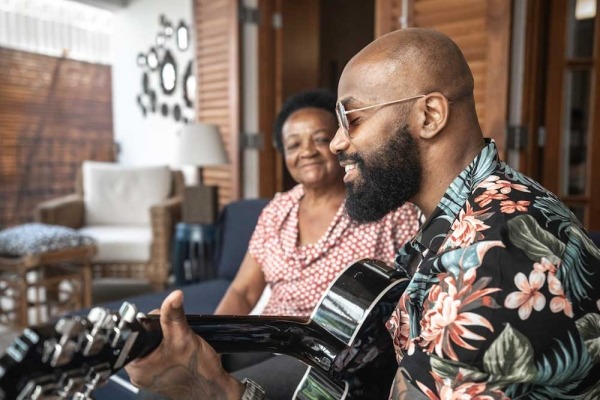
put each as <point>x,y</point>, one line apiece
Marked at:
<point>141,60</point>
<point>189,86</point>
<point>152,59</point>
<point>183,36</point>
<point>160,40</point>
<point>168,73</point>
<point>160,67</point>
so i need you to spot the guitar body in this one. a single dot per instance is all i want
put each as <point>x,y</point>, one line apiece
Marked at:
<point>344,342</point>
<point>354,310</point>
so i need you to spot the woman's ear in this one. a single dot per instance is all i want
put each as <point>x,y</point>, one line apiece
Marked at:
<point>434,109</point>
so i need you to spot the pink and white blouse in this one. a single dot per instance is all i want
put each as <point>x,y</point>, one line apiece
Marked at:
<point>299,275</point>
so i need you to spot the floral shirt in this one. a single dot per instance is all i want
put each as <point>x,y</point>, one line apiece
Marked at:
<point>505,300</point>
<point>299,275</point>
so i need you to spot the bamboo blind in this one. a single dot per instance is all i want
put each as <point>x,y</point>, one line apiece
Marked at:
<point>54,113</point>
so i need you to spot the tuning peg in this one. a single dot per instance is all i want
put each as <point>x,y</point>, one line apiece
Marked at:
<point>128,312</point>
<point>102,318</point>
<point>97,376</point>
<point>71,382</point>
<point>69,327</point>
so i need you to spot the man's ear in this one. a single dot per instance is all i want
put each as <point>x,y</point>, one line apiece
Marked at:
<point>433,114</point>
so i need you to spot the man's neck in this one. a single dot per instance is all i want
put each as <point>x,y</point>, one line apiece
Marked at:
<point>439,173</point>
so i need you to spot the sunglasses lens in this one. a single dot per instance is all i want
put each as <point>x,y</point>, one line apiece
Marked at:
<point>341,116</point>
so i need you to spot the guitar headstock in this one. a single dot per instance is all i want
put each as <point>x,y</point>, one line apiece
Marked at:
<point>70,358</point>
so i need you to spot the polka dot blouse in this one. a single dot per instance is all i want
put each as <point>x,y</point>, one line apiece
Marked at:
<point>299,275</point>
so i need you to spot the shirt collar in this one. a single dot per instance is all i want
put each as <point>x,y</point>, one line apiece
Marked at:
<point>434,230</point>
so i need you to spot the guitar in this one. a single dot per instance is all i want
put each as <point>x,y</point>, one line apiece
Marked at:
<point>344,342</point>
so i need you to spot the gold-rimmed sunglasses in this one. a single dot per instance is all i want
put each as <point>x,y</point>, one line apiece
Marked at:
<point>340,111</point>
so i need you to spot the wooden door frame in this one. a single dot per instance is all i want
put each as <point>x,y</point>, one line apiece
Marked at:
<point>540,110</point>
<point>269,160</point>
<point>273,91</point>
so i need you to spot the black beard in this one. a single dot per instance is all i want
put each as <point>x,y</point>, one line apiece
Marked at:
<point>390,178</point>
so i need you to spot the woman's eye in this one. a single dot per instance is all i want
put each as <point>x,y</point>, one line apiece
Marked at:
<point>291,146</point>
<point>323,140</point>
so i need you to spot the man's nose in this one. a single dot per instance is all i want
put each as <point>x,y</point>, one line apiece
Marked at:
<point>339,142</point>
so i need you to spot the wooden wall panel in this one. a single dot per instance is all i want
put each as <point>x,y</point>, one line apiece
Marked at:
<point>481,28</point>
<point>54,114</point>
<point>218,87</point>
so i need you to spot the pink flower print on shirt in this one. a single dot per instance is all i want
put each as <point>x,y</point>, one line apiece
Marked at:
<point>448,314</point>
<point>493,182</point>
<point>467,228</point>
<point>510,206</point>
<point>458,389</point>
<point>528,297</point>
<point>487,197</point>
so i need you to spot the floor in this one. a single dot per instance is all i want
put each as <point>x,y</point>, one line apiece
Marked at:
<point>104,290</point>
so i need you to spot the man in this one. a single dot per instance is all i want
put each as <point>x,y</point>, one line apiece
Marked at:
<point>504,300</point>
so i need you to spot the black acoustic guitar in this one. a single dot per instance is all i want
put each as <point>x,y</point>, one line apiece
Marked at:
<point>344,342</point>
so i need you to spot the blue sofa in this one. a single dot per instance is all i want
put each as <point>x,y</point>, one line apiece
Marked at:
<point>235,225</point>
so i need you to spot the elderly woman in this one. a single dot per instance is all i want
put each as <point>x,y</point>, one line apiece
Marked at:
<point>302,240</point>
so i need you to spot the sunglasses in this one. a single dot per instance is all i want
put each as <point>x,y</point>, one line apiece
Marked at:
<point>340,111</point>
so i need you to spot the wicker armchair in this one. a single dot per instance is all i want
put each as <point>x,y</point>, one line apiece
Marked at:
<point>126,247</point>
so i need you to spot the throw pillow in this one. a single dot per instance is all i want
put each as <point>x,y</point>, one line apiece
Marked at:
<point>38,238</point>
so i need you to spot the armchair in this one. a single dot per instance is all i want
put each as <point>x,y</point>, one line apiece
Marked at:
<point>130,212</point>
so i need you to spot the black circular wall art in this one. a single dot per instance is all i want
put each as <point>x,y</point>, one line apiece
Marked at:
<point>161,59</point>
<point>177,112</point>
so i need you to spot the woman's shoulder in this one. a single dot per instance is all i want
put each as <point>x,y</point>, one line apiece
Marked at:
<point>282,202</point>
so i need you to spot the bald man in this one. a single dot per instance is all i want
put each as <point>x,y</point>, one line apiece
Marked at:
<point>504,300</point>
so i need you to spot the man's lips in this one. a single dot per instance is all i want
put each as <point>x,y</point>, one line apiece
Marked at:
<point>351,172</point>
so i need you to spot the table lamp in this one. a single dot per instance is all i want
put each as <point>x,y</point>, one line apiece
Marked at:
<point>200,145</point>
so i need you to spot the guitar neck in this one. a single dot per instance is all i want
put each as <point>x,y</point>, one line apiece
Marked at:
<point>298,337</point>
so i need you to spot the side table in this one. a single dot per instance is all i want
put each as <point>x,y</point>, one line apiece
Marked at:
<point>46,284</point>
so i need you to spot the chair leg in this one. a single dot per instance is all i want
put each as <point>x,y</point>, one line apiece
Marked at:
<point>21,314</point>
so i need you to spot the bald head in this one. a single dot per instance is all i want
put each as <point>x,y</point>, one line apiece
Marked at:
<point>417,61</point>
<point>426,130</point>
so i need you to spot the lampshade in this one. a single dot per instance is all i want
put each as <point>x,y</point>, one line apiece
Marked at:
<point>200,145</point>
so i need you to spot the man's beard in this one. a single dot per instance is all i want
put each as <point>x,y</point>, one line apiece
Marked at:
<point>390,178</point>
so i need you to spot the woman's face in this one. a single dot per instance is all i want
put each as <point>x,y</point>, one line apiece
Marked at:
<point>306,136</point>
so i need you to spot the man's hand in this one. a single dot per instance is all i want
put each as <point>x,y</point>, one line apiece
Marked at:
<point>183,366</point>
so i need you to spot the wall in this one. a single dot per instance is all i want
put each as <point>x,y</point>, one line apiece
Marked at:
<point>145,140</point>
<point>482,31</point>
<point>54,113</point>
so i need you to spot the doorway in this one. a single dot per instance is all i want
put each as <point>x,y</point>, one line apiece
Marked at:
<point>563,90</point>
<point>307,47</point>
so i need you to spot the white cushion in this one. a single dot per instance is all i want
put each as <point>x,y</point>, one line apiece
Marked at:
<point>120,243</point>
<point>121,195</point>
